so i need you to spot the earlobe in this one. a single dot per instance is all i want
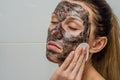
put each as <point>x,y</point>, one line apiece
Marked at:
<point>98,44</point>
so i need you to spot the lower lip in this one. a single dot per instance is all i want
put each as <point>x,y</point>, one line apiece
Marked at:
<point>53,48</point>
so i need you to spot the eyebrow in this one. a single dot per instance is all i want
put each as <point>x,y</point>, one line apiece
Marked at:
<point>74,19</point>
<point>54,16</point>
<point>71,18</point>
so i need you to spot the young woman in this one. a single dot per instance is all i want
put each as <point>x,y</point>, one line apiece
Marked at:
<point>90,21</point>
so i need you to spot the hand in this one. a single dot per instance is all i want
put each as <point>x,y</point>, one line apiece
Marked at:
<point>73,67</point>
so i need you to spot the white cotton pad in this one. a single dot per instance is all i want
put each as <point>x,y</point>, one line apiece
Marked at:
<point>86,45</point>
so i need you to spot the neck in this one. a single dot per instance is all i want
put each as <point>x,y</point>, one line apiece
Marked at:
<point>90,73</point>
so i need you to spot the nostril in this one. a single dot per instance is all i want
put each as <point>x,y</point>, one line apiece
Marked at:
<point>57,34</point>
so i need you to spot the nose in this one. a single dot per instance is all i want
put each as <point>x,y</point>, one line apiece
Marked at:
<point>57,33</point>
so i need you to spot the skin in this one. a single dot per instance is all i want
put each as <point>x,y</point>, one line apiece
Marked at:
<point>70,27</point>
<point>74,67</point>
<point>70,69</point>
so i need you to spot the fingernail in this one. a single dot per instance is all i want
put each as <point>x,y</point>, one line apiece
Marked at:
<point>84,48</point>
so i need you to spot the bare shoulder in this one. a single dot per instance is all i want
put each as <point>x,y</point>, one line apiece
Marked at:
<point>92,74</point>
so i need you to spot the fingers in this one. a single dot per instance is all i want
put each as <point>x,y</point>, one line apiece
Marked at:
<point>75,59</point>
<point>76,67</point>
<point>80,62</point>
<point>81,69</point>
<point>67,61</point>
<point>73,67</point>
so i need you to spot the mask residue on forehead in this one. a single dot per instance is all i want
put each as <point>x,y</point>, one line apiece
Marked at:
<point>69,9</point>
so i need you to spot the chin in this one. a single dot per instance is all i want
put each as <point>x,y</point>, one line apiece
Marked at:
<point>53,57</point>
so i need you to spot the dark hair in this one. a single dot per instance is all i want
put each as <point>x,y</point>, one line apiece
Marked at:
<point>103,23</point>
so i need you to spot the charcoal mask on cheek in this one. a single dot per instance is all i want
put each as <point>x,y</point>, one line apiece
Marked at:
<point>64,38</point>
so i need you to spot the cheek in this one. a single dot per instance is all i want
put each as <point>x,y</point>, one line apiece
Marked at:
<point>76,33</point>
<point>68,37</point>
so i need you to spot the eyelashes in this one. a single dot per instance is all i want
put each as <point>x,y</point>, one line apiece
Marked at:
<point>72,28</point>
<point>54,22</point>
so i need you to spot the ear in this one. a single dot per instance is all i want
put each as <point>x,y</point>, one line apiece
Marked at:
<point>98,44</point>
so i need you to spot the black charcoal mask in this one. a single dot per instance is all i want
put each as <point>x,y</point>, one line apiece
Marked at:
<point>62,37</point>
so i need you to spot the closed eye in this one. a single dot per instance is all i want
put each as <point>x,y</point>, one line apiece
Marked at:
<point>72,28</point>
<point>53,22</point>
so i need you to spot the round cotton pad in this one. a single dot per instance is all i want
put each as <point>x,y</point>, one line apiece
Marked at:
<point>86,45</point>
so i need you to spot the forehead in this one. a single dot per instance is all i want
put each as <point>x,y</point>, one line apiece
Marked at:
<point>68,6</point>
<point>71,8</point>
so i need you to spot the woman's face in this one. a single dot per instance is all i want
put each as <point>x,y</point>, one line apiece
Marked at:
<point>70,25</point>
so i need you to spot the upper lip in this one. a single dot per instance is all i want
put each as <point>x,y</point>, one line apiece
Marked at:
<point>54,44</point>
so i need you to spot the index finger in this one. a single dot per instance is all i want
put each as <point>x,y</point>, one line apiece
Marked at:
<point>67,61</point>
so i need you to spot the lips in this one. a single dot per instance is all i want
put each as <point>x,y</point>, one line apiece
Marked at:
<point>52,45</point>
